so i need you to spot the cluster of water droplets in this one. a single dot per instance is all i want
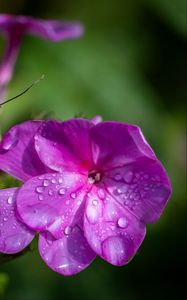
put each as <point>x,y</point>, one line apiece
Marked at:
<point>61,256</point>
<point>133,188</point>
<point>101,212</point>
<point>110,225</point>
<point>55,187</point>
<point>13,234</point>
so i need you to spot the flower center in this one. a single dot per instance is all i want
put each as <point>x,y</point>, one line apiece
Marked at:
<point>94,176</point>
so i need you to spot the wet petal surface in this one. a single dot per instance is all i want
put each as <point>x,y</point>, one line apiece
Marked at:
<point>52,202</point>
<point>14,235</point>
<point>18,156</point>
<point>116,144</point>
<point>68,255</point>
<point>143,188</point>
<point>112,232</point>
<point>65,146</point>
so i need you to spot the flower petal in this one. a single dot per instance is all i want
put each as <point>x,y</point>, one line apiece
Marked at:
<point>53,30</point>
<point>18,156</point>
<point>68,255</point>
<point>116,144</point>
<point>111,231</point>
<point>52,202</point>
<point>14,235</point>
<point>142,187</point>
<point>65,145</point>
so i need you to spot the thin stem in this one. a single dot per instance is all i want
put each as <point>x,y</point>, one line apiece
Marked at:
<point>23,92</point>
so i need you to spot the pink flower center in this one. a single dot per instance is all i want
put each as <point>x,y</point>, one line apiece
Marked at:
<point>94,176</point>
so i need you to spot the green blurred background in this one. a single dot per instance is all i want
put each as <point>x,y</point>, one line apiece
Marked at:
<point>129,66</point>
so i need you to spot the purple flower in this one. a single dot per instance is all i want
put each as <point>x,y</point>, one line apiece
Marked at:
<point>90,188</point>
<point>14,27</point>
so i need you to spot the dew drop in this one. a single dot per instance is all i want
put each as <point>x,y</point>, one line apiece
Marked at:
<point>60,180</point>
<point>5,219</point>
<point>92,214</point>
<point>46,182</point>
<point>121,190</point>
<point>122,222</point>
<point>95,202</point>
<point>112,227</point>
<point>67,230</point>
<point>128,176</point>
<point>39,189</point>
<point>9,200</point>
<point>54,181</point>
<point>50,192</point>
<point>73,195</point>
<point>40,197</point>
<point>62,191</point>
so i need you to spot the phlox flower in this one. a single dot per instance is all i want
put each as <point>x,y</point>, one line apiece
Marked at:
<point>15,27</point>
<point>89,188</point>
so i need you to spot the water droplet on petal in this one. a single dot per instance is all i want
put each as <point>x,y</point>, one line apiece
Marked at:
<point>60,180</point>
<point>62,191</point>
<point>40,197</point>
<point>67,230</point>
<point>95,202</point>
<point>54,181</point>
<point>122,222</point>
<point>5,219</point>
<point>112,227</point>
<point>46,182</point>
<point>92,214</point>
<point>50,192</point>
<point>128,176</point>
<point>73,195</point>
<point>9,200</point>
<point>39,189</point>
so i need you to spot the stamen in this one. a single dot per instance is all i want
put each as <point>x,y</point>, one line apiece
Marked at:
<point>94,176</point>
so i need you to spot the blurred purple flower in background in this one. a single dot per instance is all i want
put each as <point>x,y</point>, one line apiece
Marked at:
<point>14,28</point>
<point>90,188</point>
